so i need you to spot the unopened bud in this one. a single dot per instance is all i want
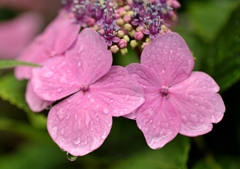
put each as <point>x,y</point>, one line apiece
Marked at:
<point>124,51</point>
<point>114,49</point>
<point>133,43</point>
<point>130,13</point>
<point>148,40</point>
<point>120,22</point>
<point>127,7</point>
<point>138,35</point>
<point>126,38</point>
<point>139,29</point>
<point>144,45</point>
<point>127,26</point>
<point>122,43</point>
<point>120,33</point>
<point>127,18</point>
<point>132,32</point>
<point>122,13</point>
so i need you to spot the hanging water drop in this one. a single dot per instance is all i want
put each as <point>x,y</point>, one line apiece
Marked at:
<point>71,157</point>
<point>48,107</point>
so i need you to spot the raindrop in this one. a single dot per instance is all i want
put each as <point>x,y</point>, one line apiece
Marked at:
<point>48,107</point>
<point>48,74</point>
<point>59,90</point>
<point>84,142</point>
<point>71,157</point>
<point>104,136</point>
<point>69,100</point>
<point>62,132</point>
<point>105,110</point>
<point>126,97</point>
<point>77,141</point>
<point>75,116</point>
<point>79,63</point>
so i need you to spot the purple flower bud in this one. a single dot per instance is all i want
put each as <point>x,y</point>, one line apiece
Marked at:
<point>122,43</point>
<point>138,35</point>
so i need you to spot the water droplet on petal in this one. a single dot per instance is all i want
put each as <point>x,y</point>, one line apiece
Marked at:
<point>105,110</point>
<point>62,132</point>
<point>71,157</point>
<point>48,107</point>
<point>79,63</point>
<point>84,142</point>
<point>104,136</point>
<point>59,90</point>
<point>126,97</point>
<point>77,141</point>
<point>69,100</point>
<point>48,74</point>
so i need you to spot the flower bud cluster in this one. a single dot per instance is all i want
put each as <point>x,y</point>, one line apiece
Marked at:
<point>123,22</point>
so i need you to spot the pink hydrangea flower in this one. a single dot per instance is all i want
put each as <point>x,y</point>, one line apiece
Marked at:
<point>17,33</point>
<point>95,92</point>
<point>58,36</point>
<point>177,99</point>
<point>53,42</point>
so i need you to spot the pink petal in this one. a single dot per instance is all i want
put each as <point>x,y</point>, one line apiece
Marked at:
<point>60,34</point>
<point>144,76</point>
<point>120,92</point>
<point>16,34</point>
<point>198,103</point>
<point>91,54</point>
<point>35,103</point>
<point>158,120</point>
<point>169,57</point>
<point>34,53</point>
<point>57,78</point>
<point>78,125</point>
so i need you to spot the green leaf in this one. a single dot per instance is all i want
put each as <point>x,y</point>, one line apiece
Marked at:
<point>13,63</point>
<point>174,155</point>
<point>13,90</point>
<point>220,162</point>
<point>222,60</point>
<point>207,163</point>
<point>130,57</point>
<point>209,18</point>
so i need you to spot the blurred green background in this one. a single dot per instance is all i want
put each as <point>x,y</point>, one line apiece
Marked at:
<point>211,28</point>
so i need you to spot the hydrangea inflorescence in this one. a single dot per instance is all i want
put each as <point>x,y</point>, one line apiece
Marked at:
<point>120,22</point>
<point>75,52</point>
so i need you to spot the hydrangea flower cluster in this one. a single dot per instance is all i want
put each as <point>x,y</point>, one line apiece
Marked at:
<point>123,22</point>
<point>162,93</point>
